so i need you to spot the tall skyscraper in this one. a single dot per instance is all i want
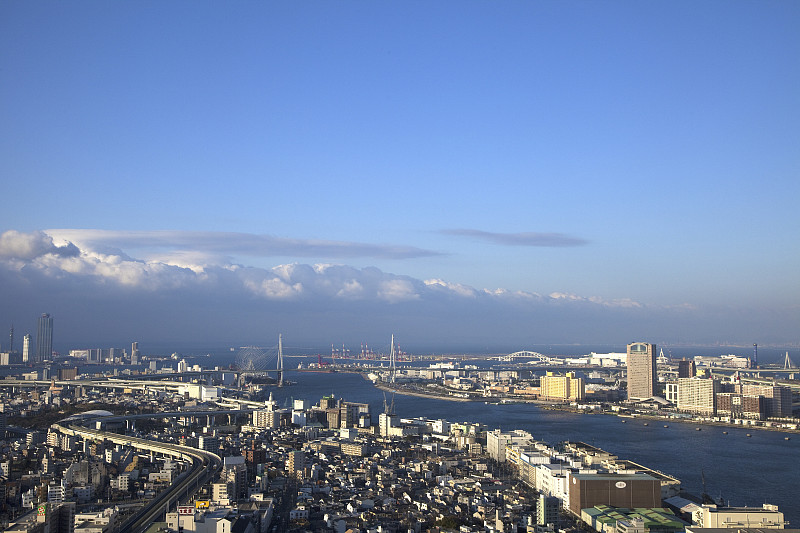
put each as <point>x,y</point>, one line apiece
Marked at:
<point>642,374</point>
<point>44,338</point>
<point>26,348</point>
<point>134,353</point>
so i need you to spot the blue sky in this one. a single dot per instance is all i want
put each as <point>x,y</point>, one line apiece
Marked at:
<point>629,168</point>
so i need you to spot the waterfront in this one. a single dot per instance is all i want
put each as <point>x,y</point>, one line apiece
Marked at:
<point>743,470</point>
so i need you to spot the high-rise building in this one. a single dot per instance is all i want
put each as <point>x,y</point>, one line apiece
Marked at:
<point>295,463</point>
<point>547,510</point>
<point>736,405</point>
<point>254,456</point>
<point>208,443</point>
<point>67,373</point>
<point>134,353</point>
<point>698,395</point>
<point>779,398</point>
<point>642,374</point>
<point>496,442</point>
<point>567,387</point>
<point>234,473</point>
<point>266,418</point>
<point>386,421</point>
<point>26,348</point>
<point>44,338</point>
<point>94,355</point>
<point>686,368</point>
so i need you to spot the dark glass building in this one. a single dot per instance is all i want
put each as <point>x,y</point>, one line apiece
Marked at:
<point>44,338</point>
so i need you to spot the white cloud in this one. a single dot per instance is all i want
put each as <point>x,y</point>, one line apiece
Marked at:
<point>27,246</point>
<point>351,289</point>
<point>617,302</point>
<point>456,288</point>
<point>277,289</point>
<point>397,290</point>
<point>520,296</point>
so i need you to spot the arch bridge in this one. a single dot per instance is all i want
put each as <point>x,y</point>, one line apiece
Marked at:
<point>523,354</point>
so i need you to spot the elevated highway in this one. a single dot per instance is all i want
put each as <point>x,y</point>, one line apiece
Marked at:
<point>204,466</point>
<point>101,421</point>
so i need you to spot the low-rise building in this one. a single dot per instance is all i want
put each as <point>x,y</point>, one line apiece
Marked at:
<point>614,490</point>
<point>712,516</point>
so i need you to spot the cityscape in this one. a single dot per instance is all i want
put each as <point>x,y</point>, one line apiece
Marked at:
<point>102,440</point>
<point>399,267</point>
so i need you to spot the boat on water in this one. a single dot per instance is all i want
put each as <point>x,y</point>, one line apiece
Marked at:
<point>724,432</point>
<point>698,429</point>
<point>666,425</point>
<point>786,438</point>
<point>749,435</point>
<point>646,424</point>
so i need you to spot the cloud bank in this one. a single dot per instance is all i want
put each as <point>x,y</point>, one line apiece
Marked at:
<point>103,296</point>
<point>246,244</point>
<point>520,239</point>
<point>37,253</point>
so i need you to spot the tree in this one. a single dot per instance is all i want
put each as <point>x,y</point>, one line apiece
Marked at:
<point>451,522</point>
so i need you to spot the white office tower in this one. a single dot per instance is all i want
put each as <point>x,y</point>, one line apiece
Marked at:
<point>386,421</point>
<point>26,348</point>
<point>300,405</point>
<point>299,418</point>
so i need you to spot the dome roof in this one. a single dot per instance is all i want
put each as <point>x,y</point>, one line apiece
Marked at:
<point>89,414</point>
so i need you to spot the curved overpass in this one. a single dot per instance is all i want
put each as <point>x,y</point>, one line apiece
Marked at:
<point>205,466</point>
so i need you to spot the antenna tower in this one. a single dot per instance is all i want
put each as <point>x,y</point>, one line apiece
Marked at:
<point>388,408</point>
<point>392,367</point>
<point>280,360</point>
